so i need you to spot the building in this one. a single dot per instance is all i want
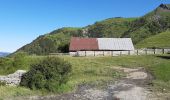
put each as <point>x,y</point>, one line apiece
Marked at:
<point>100,46</point>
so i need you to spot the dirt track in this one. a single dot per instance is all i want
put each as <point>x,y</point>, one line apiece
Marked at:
<point>131,87</point>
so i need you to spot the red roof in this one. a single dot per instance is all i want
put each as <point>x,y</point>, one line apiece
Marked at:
<point>79,44</point>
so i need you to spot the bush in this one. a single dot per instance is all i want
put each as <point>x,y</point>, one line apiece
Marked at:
<point>49,74</point>
<point>2,83</point>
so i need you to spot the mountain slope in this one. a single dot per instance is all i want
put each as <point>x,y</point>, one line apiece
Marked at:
<point>161,40</point>
<point>138,29</point>
<point>151,24</point>
<point>112,27</point>
<point>58,40</point>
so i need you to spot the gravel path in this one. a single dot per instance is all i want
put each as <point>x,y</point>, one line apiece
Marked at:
<point>131,87</point>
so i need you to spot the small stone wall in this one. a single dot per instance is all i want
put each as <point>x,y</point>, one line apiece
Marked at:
<point>13,79</point>
<point>119,53</point>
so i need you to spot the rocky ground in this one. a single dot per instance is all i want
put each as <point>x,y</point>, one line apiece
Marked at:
<point>134,86</point>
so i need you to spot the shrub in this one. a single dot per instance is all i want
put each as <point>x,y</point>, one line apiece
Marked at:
<point>49,74</point>
<point>2,83</point>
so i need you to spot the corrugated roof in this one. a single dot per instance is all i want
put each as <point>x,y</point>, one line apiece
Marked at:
<point>115,44</point>
<point>78,44</point>
<point>87,44</point>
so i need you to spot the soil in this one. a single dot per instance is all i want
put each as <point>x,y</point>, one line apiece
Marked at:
<point>134,86</point>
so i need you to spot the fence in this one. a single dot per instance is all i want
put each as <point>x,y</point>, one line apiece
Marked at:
<point>119,53</point>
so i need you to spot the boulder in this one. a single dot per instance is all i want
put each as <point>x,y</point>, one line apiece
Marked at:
<point>13,79</point>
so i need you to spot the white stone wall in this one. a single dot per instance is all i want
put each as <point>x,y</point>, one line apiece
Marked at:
<point>167,50</point>
<point>118,53</point>
<point>100,53</point>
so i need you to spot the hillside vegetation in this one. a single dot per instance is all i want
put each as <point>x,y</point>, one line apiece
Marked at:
<point>151,24</point>
<point>161,40</point>
<point>95,70</point>
<point>138,29</point>
<point>113,27</point>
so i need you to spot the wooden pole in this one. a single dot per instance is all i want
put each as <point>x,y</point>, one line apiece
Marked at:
<point>146,51</point>
<point>128,52</point>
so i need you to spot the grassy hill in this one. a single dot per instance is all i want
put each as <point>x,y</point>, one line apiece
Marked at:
<point>55,41</point>
<point>151,24</point>
<point>112,27</point>
<point>138,29</point>
<point>58,40</point>
<point>159,41</point>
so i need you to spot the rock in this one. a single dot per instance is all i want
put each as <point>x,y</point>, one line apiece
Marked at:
<point>13,79</point>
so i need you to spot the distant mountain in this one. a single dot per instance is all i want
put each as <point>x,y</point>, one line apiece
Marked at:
<point>3,54</point>
<point>139,29</point>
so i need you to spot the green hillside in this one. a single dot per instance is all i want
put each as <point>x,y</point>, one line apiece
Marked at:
<point>138,29</point>
<point>151,24</point>
<point>58,40</point>
<point>112,27</point>
<point>161,40</point>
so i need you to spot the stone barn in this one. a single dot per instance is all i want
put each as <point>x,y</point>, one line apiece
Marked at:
<point>100,46</point>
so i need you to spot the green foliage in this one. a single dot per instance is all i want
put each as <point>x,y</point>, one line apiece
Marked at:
<point>48,74</point>
<point>6,65</point>
<point>19,60</point>
<point>2,83</point>
<point>151,24</point>
<point>56,41</point>
<point>10,65</point>
<point>113,27</point>
<point>95,69</point>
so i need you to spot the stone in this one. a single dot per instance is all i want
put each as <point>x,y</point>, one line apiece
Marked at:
<point>13,79</point>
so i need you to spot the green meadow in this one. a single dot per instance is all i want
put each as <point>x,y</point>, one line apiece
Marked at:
<point>90,70</point>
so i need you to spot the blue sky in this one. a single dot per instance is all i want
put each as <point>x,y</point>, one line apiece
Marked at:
<point>21,21</point>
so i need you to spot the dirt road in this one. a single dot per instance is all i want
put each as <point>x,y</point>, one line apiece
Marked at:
<point>132,87</point>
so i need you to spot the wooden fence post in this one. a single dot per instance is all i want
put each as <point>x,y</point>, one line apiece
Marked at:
<point>163,51</point>
<point>154,51</point>
<point>94,53</point>
<point>103,53</point>
<point>85,53</point>
<point>137,52</point>
<point>128,52</point>
<point>146,51</point>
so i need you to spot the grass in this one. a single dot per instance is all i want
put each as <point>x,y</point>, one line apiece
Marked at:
<point>160,40</point>
<point>99,69</point>
<point>10,91</point>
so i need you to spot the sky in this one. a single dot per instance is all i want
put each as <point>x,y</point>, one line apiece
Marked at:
<point>22,21</point>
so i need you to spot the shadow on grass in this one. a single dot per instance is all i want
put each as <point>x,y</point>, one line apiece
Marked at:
<point>164,57</point>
